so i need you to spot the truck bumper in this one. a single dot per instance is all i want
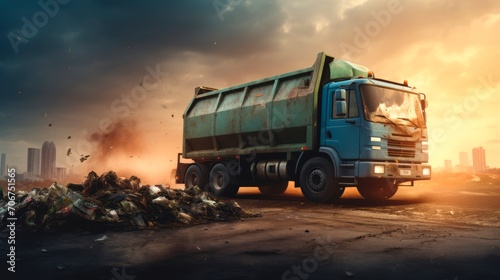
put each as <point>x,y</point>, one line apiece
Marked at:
<point>400,171</point>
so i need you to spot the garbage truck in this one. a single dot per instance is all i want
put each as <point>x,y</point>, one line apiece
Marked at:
<point>327,127</point>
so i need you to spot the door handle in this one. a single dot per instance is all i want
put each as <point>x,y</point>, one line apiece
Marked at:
<point>328,134</point>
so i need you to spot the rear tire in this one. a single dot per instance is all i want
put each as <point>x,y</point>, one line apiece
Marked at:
<point>221,182</point>
<point>377,189</point>
<point>196,176</point>
<point>278,187</point>
<point>318,182</point>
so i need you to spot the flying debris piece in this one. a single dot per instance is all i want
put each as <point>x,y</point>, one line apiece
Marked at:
<point>50,124</point>
<point>172,115</point>
<point>164,106</point>
<point>84,158</point>
<point>349,274</point>
<point>101,239</point>
<point>69,137</point>
<point>68,152</point>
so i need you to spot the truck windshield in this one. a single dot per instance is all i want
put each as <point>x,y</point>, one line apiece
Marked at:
<point>386,105</point>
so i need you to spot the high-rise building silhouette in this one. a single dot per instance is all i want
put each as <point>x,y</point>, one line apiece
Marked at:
<point>48,160</point>
<point>478,160</point>
<point>464,159</point>
<point>33,162</point>
<point>3,167</point>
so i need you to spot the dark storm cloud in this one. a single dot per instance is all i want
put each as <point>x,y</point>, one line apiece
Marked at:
<point>67,64</point>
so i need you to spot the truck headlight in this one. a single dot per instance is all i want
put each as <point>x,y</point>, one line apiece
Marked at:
<point>379,169</point>
<point>426,171</point>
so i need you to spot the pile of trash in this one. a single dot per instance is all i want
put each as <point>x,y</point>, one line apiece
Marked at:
<point>111,201</point>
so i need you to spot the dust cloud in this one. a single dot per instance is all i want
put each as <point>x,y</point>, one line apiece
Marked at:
<point>127,150</point>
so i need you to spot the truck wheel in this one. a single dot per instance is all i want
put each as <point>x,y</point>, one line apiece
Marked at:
<point>274,187</point>
<point>377,189</point>
<point>318,182</point>
<point>220,183</point>
<point>196,176</point>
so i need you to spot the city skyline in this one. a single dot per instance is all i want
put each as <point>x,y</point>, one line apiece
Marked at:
<point>476,165</point>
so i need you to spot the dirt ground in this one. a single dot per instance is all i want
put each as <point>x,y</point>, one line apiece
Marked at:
<point>446,228</point>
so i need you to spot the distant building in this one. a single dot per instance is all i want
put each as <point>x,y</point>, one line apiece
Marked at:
<point>3,167</point>
<point>447,165</point>
<point>48,166</point>
<point>478,160</point>
<point>33,169</point>
<point>464,165</point>
<point>60,172</point>
<point>463,159</point>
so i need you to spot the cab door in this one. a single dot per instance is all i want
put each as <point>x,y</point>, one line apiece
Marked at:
<point>342,122</point>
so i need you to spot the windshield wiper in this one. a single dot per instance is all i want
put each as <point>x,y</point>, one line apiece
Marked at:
<point>412,122</point>
<point>387,118</point>
<point>398,126</point>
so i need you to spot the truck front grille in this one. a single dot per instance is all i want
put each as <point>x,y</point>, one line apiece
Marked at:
<point>398,148</point>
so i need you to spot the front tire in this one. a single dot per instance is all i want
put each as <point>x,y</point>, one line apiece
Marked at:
<point>278,187</point>
<point>221,182</point>
<point>318,182</point>
<point>377,189</point>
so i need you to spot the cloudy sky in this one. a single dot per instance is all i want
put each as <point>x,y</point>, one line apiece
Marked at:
<point>72,71</point>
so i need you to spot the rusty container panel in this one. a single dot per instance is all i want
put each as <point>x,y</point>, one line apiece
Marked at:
<point>276,114</point>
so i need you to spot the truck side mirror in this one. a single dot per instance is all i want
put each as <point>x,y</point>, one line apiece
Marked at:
<point>423,103</point>
<point>341,108</point>
<point>340,94</point>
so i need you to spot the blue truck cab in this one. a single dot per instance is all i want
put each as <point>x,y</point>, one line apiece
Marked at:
<point>375,131</point>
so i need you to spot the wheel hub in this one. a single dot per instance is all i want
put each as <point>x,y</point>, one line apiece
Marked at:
<point>317,180</point>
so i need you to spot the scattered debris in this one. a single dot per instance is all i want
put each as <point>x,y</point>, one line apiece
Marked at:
<point>44,250</point>
<point>306,230</point>
<point>68,152</point>
<point>60,267</point>
<point>109,201</point>
<point>69,137</point>
<point>84,158</point>
<point>50,124</point>
<point>349,274</point>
